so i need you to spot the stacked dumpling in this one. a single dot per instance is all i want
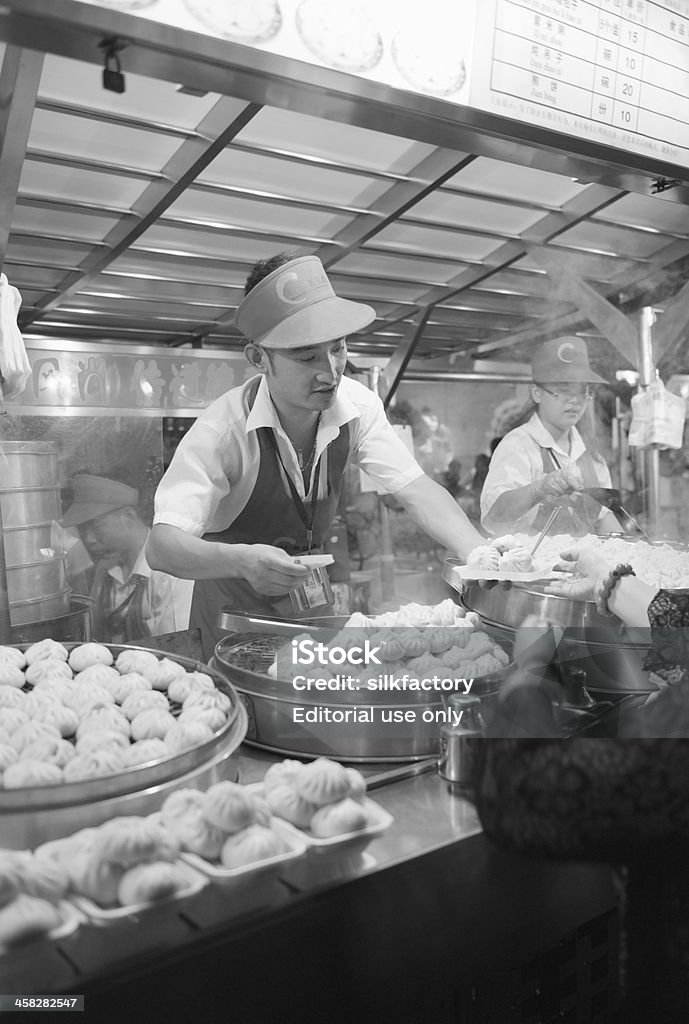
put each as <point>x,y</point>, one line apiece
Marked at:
<point>70,716</point>
<point>30,891</point>
<point>225,825</point>
<point>127,861</point>
<point>323,797</point>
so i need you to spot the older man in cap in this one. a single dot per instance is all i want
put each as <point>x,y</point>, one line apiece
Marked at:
<point>257,479</point>
<point>131,601</point>
<point>546,461</point>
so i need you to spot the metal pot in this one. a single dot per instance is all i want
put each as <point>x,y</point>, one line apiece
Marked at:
<point>27,464</point>
<point>29,506</point>
<point>404,725</point>
<point>23,544</point>
<point>74,625</point>
<point>34,814</point>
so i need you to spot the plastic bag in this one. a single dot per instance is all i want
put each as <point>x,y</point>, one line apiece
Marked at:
<point>14,362</point>
<point>657,418</point>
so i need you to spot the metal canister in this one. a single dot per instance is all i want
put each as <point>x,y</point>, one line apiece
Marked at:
<point>458,752</point>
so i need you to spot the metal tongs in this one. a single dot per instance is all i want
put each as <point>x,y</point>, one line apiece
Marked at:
<point>610,497</point>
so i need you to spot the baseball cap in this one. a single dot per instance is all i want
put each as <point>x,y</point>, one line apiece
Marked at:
<point>563,359</point>
<point>93,496</point>
<point>296,306</point>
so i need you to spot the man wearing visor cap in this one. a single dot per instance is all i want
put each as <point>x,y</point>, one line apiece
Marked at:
<point>130,600</point>
<point>546,461</point>
<point>257,479</point>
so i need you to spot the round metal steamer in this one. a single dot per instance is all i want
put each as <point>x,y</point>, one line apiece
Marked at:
<point>34,814</point>
<point>270,703</point>
<point>612,661</point>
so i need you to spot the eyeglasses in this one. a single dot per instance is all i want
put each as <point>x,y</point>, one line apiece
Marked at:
<point>575,394</point>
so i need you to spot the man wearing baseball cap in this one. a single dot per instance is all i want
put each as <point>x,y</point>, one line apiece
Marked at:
<point>257,479</point>
<point>546,461</point>
<point>130,600</point>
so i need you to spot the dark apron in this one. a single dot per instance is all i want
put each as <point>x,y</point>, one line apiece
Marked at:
<point>269,517</point>
<point>578,515</point>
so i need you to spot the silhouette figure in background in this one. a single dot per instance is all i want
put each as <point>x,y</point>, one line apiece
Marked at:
<point>131,600</point>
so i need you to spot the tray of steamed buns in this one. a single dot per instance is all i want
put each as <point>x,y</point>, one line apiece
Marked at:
<point>502,559</point>
<point>326,803</point>
<point>74,713</point>
<point>229,834</point>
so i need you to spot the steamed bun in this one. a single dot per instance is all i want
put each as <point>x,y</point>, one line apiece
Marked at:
<point>191,682</point>
<point>10,696</point>
<point>214,718</point>
<point>131,682</point>
<point>83,697</point>
<point>104,675</point>
<point>51,750</point>
<point>185,820</point>
<point>8,755</point>
<point>142,700</point>
<point>338,819</point>
<point>94,764</point>
<point>148,882</point>
<point>31,773</point>
<point>252,844</point>
<point>164,673</point>
<point>204,700</point>
<point>47,668</point>
<point>11,719</point>
<point>11,675</point>
<point>152,723</point>
<point>103,716</point>
<point>93,877</point>
<point>136,661</point>
<point>357,784</point>
<point>283,771</point>
<point>100,739</point>
<point>13,656</point>
<point>322,782</point>
<point>229,806</point>
<point>287,803</point>
<point>46,649</point>
<point>131,840</point>
<point>184,735</point>
<point>43,878</point>
<point>145,750</point>
<point>31,732</point>
<point>85,655</point>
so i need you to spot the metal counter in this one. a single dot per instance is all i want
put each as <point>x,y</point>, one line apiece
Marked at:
<point>429,915</point>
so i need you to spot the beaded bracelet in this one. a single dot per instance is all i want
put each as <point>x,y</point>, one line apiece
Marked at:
<point>609,584</point>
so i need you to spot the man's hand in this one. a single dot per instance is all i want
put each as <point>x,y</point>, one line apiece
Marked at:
<point>270,571</point>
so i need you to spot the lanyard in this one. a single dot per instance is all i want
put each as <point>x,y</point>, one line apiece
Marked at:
<point>296,499</point>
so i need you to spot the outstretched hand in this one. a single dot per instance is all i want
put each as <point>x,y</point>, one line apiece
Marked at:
<point>589,572</point>
<point>271,571</point>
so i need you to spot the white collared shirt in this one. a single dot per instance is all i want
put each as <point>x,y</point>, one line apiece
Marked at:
<point>214,470</point>
<point>167,600</point>
<point>517,461</point>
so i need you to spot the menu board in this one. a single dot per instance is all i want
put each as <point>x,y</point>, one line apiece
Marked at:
<point>612,71</point>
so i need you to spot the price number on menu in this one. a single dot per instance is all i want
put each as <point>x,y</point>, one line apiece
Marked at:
<point>22,1002</point>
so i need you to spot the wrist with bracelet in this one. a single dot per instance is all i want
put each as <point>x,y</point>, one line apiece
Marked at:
<point>608,584</point>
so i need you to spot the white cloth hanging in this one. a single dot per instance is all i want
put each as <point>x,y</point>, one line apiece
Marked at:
<point>14,362</point>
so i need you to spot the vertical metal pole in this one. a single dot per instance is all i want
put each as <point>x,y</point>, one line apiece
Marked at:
<point>387,557</point>
<point>650,456</point>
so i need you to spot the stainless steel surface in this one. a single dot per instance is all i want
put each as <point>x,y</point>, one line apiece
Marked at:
<point>511,607</point>
<point>22,543</point>
<point>43,576</point>
<point>457,760</point>
<point>243,624</point>
<point>35,813</point>
<point>40,609</point>
<point>27,464</point>
<point>74,625</point>
<point>30,505</point>
<point>650,457</point>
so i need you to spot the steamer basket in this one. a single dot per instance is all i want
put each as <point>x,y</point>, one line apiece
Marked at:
<point>27,464</point>
<point>270,704</point>
<point>29,506</point>
<point>33,814</point>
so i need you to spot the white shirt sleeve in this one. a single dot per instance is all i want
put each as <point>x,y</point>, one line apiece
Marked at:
<point>379,452</point>
<point>512,465</point>
<point>196,480</point>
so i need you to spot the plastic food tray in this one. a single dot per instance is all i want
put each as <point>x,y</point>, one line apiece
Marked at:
<point>156,910</point>
<point>342,848</point>
<point>472,574</point>
<point>37,966</point>
<point>234,878</point>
